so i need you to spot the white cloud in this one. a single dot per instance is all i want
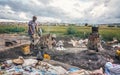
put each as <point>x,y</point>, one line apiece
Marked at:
<point>36,2</point>
<point>23,15</point>
<point>6,9</point>
<point>98,11</point>
<point>49,19</point>
<point>91,11</point>
<point>68,7</point>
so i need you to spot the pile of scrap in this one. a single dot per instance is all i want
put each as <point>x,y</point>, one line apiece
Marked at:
<point>21,66</point>
<point>88,59</point>
<point>9,42</point>
<point>78,43</point>
<point>115,41</point>
<point>60,45</point>
<point>94,42</point>
<point>46,41</point>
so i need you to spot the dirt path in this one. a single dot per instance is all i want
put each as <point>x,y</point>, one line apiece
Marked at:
<point>21,40</point>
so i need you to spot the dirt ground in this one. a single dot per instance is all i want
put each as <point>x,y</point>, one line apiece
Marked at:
<point>18,38</point>
<point>80,57</point>
<point>85,59</point>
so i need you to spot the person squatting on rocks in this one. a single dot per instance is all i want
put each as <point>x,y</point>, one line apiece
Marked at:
<point>32,29</point>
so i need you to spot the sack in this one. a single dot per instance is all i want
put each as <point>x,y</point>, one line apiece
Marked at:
<point>18,61</point>
<point>39,56</point>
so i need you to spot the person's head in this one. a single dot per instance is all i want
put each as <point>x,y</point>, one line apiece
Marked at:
<point>34,18</point>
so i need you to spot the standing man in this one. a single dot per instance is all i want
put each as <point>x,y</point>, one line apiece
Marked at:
<point>32,29</point>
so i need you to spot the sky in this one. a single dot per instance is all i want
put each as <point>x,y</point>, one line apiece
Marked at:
<point>61,11</point>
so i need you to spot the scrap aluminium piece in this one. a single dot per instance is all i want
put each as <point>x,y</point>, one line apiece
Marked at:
<point>46,41</point>
<point>10,42</point>
<point>93,39</point>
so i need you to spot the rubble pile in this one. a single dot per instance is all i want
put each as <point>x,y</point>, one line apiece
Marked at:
<point>30,67</point>
<point>89,60</point>
<point>21,66</point>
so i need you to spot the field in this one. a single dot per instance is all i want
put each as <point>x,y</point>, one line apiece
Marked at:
<point>107,33</point>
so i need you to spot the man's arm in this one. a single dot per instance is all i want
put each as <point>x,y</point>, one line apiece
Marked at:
<point>31,30</point>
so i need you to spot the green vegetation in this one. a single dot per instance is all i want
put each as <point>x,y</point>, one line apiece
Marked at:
<point>11,29</point>
<point>110,33</point>
<point>71,31</point>
<point>107,33</point>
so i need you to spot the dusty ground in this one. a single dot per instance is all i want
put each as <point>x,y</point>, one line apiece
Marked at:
<point>80,57</point>
<point>85,59</point>
<point>20,39</point>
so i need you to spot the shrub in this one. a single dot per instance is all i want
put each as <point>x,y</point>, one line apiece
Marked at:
<point>82,34</point>
<point>43,30</point>
<point>111,26</point>
<point>71,31</point>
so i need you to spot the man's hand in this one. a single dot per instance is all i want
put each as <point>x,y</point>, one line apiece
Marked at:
<point>32,33</point>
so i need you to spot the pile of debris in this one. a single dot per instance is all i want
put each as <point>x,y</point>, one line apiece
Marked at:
<point>21,66</point>
<point>88,59</point>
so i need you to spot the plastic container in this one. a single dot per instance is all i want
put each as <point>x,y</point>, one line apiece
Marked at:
<point>26,49</point>
<point>118,52</point>
<point>73,69</point>
<point>47,56</point>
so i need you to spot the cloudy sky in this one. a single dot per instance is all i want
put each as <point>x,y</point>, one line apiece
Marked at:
<point>67,11</point>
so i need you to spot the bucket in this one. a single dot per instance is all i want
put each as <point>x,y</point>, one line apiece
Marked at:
<point>47,56</point>
<point>118,52</point>
<point>26,49</point>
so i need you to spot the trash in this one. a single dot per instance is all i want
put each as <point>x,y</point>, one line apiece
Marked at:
<point>78,43</point>
<point>80,72</point>
<point>18,61</point>
<point>97,72</point>
<point>60,48</point>
<point>118,52</point>
<point>60,45</point>
<point>32,67</point>
<point>73,69</point>
<point>112,69</point>
<point>74,43</point>
<point>47,56</point>
<point>9,62</point>
<point>39,56</point>
<point>3,66</point>
<point>10,42</point>
<point>26,49</point>
<point>17,73</point>
<point>29,62</point>
<point>60,70</point>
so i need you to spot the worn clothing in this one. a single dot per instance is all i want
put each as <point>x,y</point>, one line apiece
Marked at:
<point>33,25</point>
<point>32,38</point>
<point>31,30</point>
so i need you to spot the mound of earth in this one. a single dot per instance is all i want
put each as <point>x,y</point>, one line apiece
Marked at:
<point>87,59</point>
